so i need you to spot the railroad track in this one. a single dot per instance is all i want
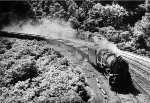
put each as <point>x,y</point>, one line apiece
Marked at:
<point>143,70</point>
<point>141,81</point>
<point>126,98</point>
<point>133,98</point>
<point>130,97</point>
<point>145,59</point>
<point>138,61</point>
<point>123,98</point>
<point>140,76</point>
<point>139,73</point>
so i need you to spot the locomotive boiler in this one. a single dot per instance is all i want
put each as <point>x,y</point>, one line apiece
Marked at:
<point>111,65</point>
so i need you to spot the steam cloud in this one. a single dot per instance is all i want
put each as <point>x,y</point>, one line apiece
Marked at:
<point>55,28</point>
<point>105,44</point>
<point>52,28</point>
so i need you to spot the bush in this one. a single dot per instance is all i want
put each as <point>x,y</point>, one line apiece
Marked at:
<point>111,15</point>
<point>32,71</point>
<point>142,31</point>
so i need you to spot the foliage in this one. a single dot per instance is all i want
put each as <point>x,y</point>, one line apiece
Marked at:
<point>112,15</point>
<point>141,31</point>
<point>14,11</point>
<point>32,71</point>
<point>111,19</point>
<point>89,15</point>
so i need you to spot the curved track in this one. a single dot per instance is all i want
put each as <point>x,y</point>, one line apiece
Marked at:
<point>80,48</point>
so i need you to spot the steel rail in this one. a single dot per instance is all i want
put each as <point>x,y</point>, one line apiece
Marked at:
<point>134,98</point>
<point>138,68</point>
<point>136,61</point>
<point>119,97</point>
<point>121,101</point>
<point>141,80</point>
<point>136,56</point>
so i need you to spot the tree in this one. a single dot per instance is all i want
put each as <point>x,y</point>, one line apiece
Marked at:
<point>14,10</point>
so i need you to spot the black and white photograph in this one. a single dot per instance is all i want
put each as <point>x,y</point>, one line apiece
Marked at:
<point>74,51</point>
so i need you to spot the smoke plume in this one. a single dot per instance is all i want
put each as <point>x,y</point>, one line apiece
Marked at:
<point>55,28</point>
<point>52,28</point>
<point>105,44</point>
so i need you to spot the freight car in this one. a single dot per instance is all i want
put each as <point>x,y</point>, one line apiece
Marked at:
<point>113,66</point>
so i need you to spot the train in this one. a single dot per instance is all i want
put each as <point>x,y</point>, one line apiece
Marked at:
<point>104,60</point>
<point>111,65</point>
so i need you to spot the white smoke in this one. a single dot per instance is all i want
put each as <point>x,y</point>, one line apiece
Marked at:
<point>55,28</point>
<point>52,28</point>
<point>105,44</point>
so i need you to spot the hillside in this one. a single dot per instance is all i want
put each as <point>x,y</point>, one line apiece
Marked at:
<point>32,71</point>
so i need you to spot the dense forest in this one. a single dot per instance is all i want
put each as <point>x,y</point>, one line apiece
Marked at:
<point>126,23</point>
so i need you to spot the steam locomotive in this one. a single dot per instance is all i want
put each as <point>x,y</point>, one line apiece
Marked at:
<point>111,65</point>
